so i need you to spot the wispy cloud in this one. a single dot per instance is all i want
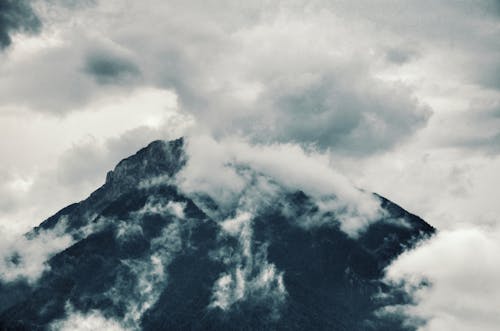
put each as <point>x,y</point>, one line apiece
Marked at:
<point>217,168</point>
<point>90,321</point>
<point>141,280</point>
<point>24,257</point>
<point>250,278</point>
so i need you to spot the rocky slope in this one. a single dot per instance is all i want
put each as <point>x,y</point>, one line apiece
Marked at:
<point>145,255</point>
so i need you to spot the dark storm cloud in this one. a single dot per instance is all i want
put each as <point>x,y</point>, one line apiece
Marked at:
<point>16,16</point>
<point>110,69</point>
<point>349,112</point>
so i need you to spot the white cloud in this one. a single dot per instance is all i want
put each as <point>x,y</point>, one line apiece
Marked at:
<point>157,206</point>
<point>217,168</point>
<point>149,273</point>
<point>76,166</point>
<point>234,226</point>
<point>90,321</point>
<point>444,187</point>
<point>208,171</point>
<point>250,277</point>
<point>25,256</point>
<point>462,267</point>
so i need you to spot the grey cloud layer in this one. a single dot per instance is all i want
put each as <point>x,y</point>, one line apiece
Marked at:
<point>242,61</point>
<point>301,72</point>
<point>257,67</point>
<point>16,16</point>
<point>110,69</point>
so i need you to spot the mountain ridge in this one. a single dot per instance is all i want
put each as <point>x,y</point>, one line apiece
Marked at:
<point>248,270</point>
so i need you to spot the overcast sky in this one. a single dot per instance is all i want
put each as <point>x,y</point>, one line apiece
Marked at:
<point>403,97</point>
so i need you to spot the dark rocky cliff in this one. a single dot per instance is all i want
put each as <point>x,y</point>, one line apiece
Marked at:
<point>148,256</point>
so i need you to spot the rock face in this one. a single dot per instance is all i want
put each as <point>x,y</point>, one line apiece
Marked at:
<point>146,256</point>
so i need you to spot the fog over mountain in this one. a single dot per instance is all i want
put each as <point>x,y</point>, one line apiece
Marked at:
<point>239,243</point>
<point>330,98</point>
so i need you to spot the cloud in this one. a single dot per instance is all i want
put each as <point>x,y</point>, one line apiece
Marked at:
<point>16,16</point>
<point>237,174</point>
<point>141,281</point>
<point>344,110</point>
<point>25,257</point>
<point>462,270</point>
<point>481,113</point>
<point>400,55</point>
<point>250,278</point>
<point>384,87</point>
<point>207,172</point>
<point>294,91</point>
<point>74,169</point>
<point>333,92</point>
<point>11,189</point>
<point>310,73</point>
<point>110,69</point>
<point>81,70</point>
<point>290,90</point>
<point>79,321</point>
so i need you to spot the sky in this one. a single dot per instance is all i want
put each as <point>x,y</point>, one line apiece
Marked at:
<point>401,97</point>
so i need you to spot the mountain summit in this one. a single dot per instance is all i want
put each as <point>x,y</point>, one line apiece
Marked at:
<point>143,252</point>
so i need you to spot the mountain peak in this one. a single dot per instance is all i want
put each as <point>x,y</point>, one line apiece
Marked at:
<point>148,257</point>
<point>159,158</point>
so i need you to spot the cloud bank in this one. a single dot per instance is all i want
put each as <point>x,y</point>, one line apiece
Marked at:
<point>462,271</point>
<point>240,175</point>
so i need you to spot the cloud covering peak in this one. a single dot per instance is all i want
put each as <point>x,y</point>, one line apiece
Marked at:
<point>400,97</point>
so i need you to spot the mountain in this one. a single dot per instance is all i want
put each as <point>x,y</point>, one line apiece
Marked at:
<point>143,254</point>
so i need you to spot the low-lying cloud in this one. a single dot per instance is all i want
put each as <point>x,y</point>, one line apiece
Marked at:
<point>24,257</point>
<point>141,281</point>
<point>249,276</point>
<point>90,321</point>
<point>238,174</point>
<point>461,269</point>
